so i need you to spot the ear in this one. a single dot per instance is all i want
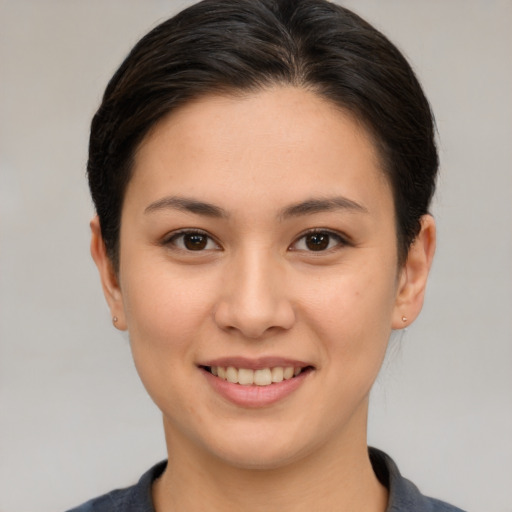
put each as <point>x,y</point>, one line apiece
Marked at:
<point>413,276</point>
<point>108,276</point>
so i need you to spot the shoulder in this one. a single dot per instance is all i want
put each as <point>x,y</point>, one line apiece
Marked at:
<point>113,501</point>
<point>404,496</point>
<point>136,498</point>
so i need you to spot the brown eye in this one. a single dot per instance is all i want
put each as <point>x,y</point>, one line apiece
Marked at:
<point>317,241</point>
<point>195,241</point>
<point>192,241</point>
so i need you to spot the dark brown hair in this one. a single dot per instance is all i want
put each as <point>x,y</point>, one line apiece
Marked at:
<point>247,45</point>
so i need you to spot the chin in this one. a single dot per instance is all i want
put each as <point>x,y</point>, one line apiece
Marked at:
<point>260,450</point>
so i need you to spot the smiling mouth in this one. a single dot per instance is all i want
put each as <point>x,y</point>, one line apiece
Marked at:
<point>260,377</point>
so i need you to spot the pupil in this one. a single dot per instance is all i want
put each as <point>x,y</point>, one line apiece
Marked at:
<point>317,241</point>
<point>195,242</point>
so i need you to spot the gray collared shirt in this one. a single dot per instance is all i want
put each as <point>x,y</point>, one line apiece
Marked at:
<point>404,496</point>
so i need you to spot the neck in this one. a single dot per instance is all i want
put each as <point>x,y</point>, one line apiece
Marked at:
<point>331,478</point>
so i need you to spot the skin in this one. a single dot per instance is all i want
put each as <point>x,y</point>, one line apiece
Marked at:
<point>257,289</point>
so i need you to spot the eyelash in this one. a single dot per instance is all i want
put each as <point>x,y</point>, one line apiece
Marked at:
<point>340,241</point>
<point>174,237</point>
<point>331,236</point>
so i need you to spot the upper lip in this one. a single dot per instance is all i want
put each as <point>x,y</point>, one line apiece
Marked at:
<point>256,363</point>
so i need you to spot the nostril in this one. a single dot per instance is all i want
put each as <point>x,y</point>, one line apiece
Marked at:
<point>253,301</point>
<point>254,322</point>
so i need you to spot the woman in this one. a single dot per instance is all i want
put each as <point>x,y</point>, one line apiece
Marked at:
<point>262,173</point>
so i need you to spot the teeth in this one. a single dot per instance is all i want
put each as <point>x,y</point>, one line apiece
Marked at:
<point>277,374</point>
<point>245,377</point>
<point>262,377</point>
<point>232,375</point>
<point>288,372</point>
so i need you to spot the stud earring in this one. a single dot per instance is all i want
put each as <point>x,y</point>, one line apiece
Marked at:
<point>404,319</point>
<point>114,320</point>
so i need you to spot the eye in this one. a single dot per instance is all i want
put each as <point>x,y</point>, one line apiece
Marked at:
<point>192,240</point>
<point>318,241</point>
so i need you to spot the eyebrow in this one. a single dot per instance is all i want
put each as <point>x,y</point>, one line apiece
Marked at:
<point>308,207</point>
<point>188,205</point>
<point>312,206</point>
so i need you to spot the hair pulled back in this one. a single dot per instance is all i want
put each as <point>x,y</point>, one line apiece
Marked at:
<point>229,46</point>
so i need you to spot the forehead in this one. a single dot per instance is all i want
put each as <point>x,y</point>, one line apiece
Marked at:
<point>283,141</point>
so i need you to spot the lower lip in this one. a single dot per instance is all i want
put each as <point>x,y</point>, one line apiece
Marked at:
<point>255,396</point>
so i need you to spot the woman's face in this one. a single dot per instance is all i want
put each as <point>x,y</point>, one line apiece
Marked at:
<point>258,233</point>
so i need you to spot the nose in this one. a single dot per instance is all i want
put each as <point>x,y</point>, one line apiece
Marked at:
<point>254,299</point>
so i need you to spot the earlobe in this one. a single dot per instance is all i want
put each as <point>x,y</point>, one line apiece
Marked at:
<point>413,276</point>
<point>108,276</point>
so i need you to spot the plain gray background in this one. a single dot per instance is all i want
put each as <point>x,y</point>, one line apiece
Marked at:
<point>74,419</point>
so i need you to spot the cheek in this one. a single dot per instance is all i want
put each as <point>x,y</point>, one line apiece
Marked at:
<point>165,310</point>
<point>167,317</point>
<point>349,296</point>
<point>351,313</point>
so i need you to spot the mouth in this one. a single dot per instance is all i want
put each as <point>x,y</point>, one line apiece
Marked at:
<point>258,377</point>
